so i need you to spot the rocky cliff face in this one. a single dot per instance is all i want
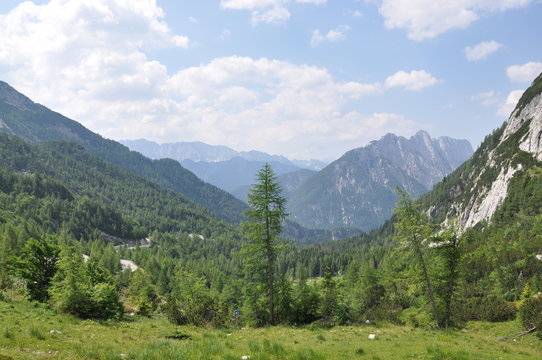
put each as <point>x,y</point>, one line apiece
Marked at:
<point>476,190</point>
<point>358,190</point>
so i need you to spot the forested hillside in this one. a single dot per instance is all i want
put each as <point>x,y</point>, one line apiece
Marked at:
<point>33,122</point>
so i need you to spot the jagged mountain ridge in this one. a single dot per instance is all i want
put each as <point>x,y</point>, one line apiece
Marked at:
<point>358,189</point>
<point>476,190</point>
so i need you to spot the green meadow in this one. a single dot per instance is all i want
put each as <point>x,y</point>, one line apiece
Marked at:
<point>32,331</point>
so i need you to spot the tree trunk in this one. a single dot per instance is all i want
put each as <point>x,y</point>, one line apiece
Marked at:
<point>270,273</point>
<point>429,286</point>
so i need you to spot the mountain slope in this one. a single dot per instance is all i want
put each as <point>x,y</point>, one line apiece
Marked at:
<point>289,182</point>
<point>358,189</point>
<point>510,155</point>
<point>154,207</point>
<point>22,117</point>
<point>234,173</point>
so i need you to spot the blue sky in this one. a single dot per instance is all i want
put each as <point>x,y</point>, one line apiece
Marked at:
<point>300,78</point>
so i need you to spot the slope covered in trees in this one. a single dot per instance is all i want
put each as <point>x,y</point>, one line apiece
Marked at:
<point>36,123</point>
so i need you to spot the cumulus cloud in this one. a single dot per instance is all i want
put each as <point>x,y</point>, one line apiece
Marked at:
<point>266,11</point>
<point>414,80</point>
<point>425,19</point>
<point>510,103</point>
<point>482,50</point>
<point>333,35</point>
<point>524,73</point>
<point>88,61</point>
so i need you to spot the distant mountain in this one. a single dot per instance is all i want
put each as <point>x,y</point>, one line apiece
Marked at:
<point>199,152</point>
<point>231,174</point>
<point>312,164</point>
<point>35,123</point>
<point>230,170</point>
<point>358,189</point>
<point>289,182</point>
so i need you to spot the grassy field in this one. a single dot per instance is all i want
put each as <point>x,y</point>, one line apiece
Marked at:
<point>31,331</point>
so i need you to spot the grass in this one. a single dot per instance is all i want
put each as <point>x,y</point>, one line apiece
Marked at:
<point>26,334</point>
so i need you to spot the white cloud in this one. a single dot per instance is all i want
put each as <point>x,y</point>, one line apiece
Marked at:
<point>87,60</point>
<point>425,19</point>
<point>486,98</point>
<point>414,80</point>
<point>510,103</point>
<point>333,35</point>
<point>266,11</point>
<point>524,73</point>
<point>482,50</point>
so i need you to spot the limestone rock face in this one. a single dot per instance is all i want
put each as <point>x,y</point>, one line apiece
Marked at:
<point>359,189</point>
<point>480,187</point>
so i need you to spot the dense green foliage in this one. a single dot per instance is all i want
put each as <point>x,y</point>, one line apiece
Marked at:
<point>267,213</point>
<point>36,123</point>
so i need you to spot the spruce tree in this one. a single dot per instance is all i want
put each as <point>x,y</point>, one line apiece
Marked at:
<point>267,211</point>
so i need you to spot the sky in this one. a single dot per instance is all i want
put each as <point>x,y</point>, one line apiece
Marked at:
<point>307,79</point>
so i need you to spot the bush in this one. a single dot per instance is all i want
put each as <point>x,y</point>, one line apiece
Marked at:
<point>531,314</point>
<point>485,308</point>
<point>416,317</point>
<point>105,302</point>
<point>76,289</point>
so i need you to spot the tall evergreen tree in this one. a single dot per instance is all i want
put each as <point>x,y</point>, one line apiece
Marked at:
<point>267,211</point>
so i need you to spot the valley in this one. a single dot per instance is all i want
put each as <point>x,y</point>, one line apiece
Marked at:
<point>458,260</point>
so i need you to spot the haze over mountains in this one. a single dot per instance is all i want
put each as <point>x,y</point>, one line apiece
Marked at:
<point>220,165</point>
<point>355,191</point>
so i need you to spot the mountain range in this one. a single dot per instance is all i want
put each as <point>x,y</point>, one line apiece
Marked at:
<point>359,189</point>
<point>219,165</point>
<point>192,197</point>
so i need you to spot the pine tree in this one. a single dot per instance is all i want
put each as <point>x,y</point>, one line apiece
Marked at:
<point>266,214</point>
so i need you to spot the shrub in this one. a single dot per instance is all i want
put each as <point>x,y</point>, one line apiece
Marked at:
<point>531,314</point>
<point>485,308</point>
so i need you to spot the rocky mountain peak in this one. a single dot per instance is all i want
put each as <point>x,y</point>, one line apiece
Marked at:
<point>358,189</point>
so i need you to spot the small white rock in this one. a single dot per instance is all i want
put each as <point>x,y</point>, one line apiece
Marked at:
<point>368,322</point>
<point>245,357</point>
<point>372,336</point>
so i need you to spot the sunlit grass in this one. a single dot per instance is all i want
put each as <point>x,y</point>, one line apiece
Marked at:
<point>26,334</point>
